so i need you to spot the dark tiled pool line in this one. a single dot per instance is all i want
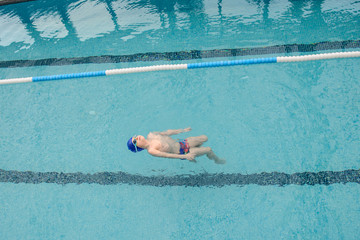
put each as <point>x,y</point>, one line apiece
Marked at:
<point>197,180</point>
<point>185,55</point>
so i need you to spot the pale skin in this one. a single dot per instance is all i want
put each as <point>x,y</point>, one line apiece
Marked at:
<point>160,144</point>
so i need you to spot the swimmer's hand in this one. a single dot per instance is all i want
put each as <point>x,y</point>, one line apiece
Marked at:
<point>190,157</point>
<point>187,129</point>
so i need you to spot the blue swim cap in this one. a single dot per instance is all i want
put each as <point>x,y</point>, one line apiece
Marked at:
<point>133,147</point>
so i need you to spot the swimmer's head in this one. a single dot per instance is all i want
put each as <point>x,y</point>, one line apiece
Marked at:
<point>132,145</point>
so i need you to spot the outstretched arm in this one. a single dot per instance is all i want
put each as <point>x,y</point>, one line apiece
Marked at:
<point>157,153</point>
<point>174,131</point>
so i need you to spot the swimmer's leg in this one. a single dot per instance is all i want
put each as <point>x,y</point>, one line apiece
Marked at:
<point>196,141</point>
<point>211,155</point>
<point>198,151</point>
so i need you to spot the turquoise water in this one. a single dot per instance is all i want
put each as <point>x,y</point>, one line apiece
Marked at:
<point>290,118</point>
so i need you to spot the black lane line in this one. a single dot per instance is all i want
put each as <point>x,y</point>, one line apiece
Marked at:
<point>185,55</point>
<point>7,2</point>
<point>197,180</point>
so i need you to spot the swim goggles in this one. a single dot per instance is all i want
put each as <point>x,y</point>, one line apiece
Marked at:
<point>134,142</point>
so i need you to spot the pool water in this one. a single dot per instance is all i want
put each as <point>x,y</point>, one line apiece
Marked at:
<point>283,119</point>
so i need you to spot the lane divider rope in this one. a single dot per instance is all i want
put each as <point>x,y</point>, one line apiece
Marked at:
<point>185,66</point>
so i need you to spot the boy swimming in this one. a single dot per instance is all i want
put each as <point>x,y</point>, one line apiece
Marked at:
<point>160,144</point>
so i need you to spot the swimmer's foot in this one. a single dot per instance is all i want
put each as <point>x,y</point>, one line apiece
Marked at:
<point>220,161</point>
<point>211,155</point>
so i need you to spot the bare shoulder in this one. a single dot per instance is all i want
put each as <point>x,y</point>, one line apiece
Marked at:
<point>152,134</point>
<point>153,151</point>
